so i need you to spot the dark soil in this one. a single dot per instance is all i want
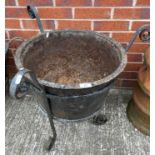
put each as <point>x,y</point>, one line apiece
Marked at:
<point>71,60</point>
<point>73,67</point>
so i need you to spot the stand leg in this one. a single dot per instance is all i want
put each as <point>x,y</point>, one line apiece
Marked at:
<point>99,119</point>
<point>25,81</point>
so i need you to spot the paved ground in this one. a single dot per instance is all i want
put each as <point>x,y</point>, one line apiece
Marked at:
<point>27,129</point>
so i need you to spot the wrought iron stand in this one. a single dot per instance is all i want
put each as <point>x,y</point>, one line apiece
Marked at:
<point>25,80</point>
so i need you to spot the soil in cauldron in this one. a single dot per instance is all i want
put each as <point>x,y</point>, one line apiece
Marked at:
<point>68,67</point>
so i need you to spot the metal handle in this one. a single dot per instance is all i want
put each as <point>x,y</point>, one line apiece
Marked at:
<point>32,11</point>
<point>144,35</point>
<point>17,87</point>
<point>24,81</point>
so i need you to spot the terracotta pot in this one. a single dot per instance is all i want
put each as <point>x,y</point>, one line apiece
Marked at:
<point>147,57</point>
<point>139,119</point>
<point>142,100</point>
<point>138,110</point>
<point>144,79</point>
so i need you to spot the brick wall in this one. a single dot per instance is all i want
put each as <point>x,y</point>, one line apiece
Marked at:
<point>117,18</point>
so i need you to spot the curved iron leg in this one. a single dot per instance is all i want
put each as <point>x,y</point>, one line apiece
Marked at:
<point>24,81</point>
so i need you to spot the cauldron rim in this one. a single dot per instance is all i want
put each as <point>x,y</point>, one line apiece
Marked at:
<point>104,80</point>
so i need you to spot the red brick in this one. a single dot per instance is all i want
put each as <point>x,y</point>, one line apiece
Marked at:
<point>113,2</point>
<point>23,34</point>
<point>36,2</point>
<point>128,75</point>
<point>133,66</point>
<point>111,25</point>
<point>16,13</point>
<point>84,25</point>
<point>15,43</point>
<point>125,83</point>
<point>135,57</point>
<point>137,24</point>
<point>143,3</point>
<point>11,53</point>
<point>10,3</point>
<point>132,13</point>
<point>129,83</point>
<point>11,24</point>
<point>124,37</point>
<point>10,61</point>
<point>92,13</point>
<point>12,70</point>
<point>55,12</point>
<point>73,2</point>
<point>138,48</point>
<point>32,24</point>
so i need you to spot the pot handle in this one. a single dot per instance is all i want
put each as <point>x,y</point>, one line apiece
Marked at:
<point>18,89</point>
<point>25,81</point>
<point>144,35</point>
<point>33,13</point>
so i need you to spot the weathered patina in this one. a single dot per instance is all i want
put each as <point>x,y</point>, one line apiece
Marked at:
<point>76,68</point>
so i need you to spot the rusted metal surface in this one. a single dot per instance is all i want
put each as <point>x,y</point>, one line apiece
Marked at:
<point>77,59</point>
<point>70,63</point>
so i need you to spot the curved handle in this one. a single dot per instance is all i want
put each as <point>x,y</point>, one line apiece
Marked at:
<point>32,11</point>
<point>144,35</point>
<point>22,82</point>
<point>18,87</point>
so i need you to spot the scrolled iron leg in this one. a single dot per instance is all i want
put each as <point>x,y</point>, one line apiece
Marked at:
<point>24,81</point>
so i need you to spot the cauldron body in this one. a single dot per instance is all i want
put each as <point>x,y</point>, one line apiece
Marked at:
<point>78,107</point>
<point>76,68</point>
